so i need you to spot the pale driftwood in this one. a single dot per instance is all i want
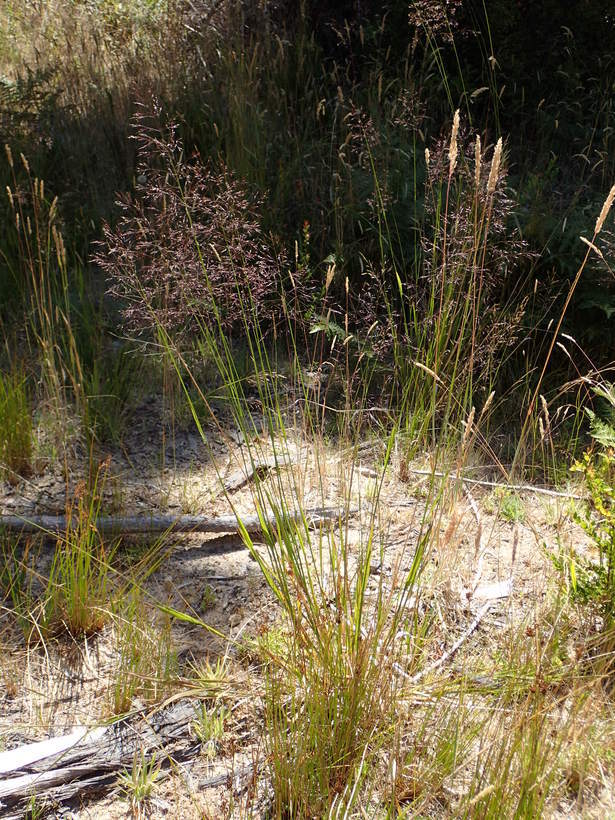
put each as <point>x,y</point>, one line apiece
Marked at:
<point>30,753</point>
<point>93,764</point>
<point>231,777</point>
<point>491,592</point>
<point>105,524</point>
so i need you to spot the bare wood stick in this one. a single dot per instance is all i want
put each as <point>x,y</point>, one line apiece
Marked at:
<point>92,764</point>
<point>450,652</point>
<point>227,777</point>
<point>105,524</point>
<point>526,488</point>
<point>29,753</point>
<point>21,787</point>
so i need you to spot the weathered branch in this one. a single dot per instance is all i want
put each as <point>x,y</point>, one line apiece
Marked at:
<point>87,762</point>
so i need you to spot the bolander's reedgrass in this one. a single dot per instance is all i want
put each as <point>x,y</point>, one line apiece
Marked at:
<point>604,211</point>
<point>80,587</point>
<point>189,246</point>
<point>457,313</point>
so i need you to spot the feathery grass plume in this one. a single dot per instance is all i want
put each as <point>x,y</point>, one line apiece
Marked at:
<point>468,426</point>
<point>487,404</point>
<point>608,202</point>
<point>427,157</point>
<point>545,406</point>
<point>477,158</point>
<point>190,243</point>
<point>9,154</point>
<point>453,150</point>
<point>329,277</point>
<point>592,246</point>
<point>495,167</point>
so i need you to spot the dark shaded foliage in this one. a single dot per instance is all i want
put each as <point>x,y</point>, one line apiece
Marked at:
<point>305,101</point>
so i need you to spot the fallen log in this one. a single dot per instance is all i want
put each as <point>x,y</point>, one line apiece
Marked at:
<point>79,766</point>
<point>111,524</point>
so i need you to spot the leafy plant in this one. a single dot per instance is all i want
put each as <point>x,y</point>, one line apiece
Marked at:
<point>595,580</point>
<point>507,504</point>
<point>208,598</point>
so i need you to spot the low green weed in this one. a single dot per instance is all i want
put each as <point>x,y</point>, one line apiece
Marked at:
<point>208,598</point>
<point>507,504</point>
<point>593,581</point>
<point>137,784</point>
<point>208,726</point>
<point>210,678</point>
<point>35,809</point>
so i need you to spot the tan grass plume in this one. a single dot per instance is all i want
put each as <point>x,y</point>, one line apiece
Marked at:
<point>477,159</point>
<point>452,151</point>
<point>495,167</point>
<point>608,202</point>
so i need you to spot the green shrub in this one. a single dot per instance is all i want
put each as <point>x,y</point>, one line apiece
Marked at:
<point>593,580</point>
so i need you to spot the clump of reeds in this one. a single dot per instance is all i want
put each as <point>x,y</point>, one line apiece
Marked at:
<point>41,278</point>
<point>457,312</point>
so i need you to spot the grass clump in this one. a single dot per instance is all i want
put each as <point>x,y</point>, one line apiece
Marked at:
<point>16,440</point>
<point>79,589</point>
<point>17,560</point>
<point>137,785</point>
<point>330,689</point>
<point>146,661</point>
<point>208,727</point>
